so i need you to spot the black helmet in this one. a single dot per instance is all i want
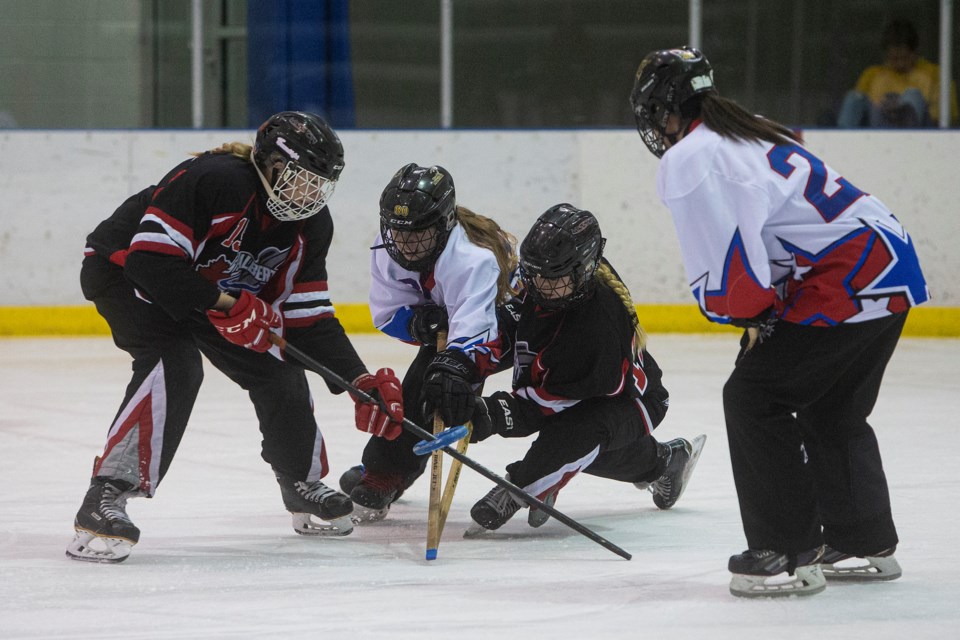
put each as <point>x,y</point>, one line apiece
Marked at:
<point>417,199</point>
<point>564,241</point>
<point>307,158</point>
<point>667,79</point>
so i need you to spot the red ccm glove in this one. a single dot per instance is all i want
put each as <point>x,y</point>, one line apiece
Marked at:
<point>370,416</point>
<point>247,323</point>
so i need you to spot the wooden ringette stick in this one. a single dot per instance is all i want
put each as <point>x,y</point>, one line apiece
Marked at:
<point>434,527</point>
<point>330,376</point>
<point>453,476</point>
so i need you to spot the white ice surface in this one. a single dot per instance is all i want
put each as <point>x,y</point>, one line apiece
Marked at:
<point>218,558</point>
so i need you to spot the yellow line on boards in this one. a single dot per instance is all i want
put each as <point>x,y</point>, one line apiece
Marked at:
<point>355,318</point>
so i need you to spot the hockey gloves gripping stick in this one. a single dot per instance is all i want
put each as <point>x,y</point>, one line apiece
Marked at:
<point>247,323</point>
<point>423,434</point>
<point>426,322</point>
<point>449,387</point>
<point>384,416</point>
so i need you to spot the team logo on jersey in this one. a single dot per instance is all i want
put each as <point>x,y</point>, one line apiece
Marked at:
<point>523,357</point>
<point>246,271</point>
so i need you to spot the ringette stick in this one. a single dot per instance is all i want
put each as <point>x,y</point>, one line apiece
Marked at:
<point>453,476</point>
<point>423,434</point>
<point>434,528</point>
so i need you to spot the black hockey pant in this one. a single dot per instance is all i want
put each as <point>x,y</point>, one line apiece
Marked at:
<point>604,437</point>
<point>167,372</point>
<point>805,461</point>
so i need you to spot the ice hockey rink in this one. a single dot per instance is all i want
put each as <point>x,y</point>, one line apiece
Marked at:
<point>218,558</point>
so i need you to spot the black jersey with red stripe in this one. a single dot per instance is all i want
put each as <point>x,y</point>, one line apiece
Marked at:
<point>205,229</point>
<point>587,351</point>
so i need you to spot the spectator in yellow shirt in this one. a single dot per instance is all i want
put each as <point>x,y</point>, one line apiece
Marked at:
<point>904,91</point>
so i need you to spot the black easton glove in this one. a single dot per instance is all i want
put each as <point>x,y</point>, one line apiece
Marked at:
<point>425,322</point>
<point>448,387</point>
<point>495,414</point>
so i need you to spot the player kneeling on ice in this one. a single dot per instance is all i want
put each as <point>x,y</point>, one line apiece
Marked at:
<point>583,380</point>
<point>435,266</point>
<point>241,234</point>
<point>821,276</point>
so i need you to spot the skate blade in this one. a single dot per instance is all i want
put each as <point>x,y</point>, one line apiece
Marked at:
<point>696,448</point>
<point>305,525</point>
<point>538,517</point>
<point>363,515</point>
<point>806,581</point>
<point>867,569</point>
<point>475,530</point>
<point>89,547</point>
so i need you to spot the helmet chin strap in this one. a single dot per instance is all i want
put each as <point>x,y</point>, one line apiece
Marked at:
<point>266,184</point>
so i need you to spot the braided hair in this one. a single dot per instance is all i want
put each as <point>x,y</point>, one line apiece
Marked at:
<point>606,275</point>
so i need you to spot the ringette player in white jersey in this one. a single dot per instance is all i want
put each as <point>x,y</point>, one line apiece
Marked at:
<point>435,265</point>
<point>822,275</point>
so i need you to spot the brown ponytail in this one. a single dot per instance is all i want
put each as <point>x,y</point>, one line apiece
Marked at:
<point>732,121</point>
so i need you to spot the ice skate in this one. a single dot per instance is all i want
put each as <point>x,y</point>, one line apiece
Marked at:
<point>372,492</point>
<point>104,531</point>
<point>351,478</point>
<point>348,481</point>
<point>770,574</point>
<point>539,517</point>
<point>841,566</point>
<point>682,457</point>
<point>492,511</point>
<point>309,500</point>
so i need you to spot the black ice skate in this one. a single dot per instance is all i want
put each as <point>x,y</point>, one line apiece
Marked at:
<point>681,457</point>
<point>372,492</point>
<point>837,565</point>
<point>351,478</point>
<point>539,517</point>
<point>492,511</point>
<point>770,574</point>
<point>105,532</point>
<point>307,499</point>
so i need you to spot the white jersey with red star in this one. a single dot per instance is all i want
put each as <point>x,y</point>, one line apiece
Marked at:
<point>763,225</point>
<point>463,280</point>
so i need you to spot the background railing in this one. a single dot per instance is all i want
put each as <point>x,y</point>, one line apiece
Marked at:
<point>429,63</point>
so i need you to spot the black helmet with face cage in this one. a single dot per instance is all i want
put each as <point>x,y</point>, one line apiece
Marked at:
<point>564,241</point>
<point>418,199</point>
<point>665,81</point>
<point>299,159</point>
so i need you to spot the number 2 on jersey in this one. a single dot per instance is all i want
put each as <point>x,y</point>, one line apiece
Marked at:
<point>829,207</point>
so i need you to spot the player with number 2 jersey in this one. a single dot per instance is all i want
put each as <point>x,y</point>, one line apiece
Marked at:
<point>822,276</point>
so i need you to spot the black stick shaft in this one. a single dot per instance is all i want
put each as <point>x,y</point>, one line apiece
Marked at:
<point>423,434</point>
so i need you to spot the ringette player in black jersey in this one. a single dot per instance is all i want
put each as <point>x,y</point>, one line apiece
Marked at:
<point>583,380</point>
<point>228,247</point>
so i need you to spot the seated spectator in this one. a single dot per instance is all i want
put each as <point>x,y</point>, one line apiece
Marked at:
<point>904,91</point>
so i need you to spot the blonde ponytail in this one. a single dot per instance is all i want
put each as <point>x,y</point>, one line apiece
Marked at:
<point>485,232</point>
<point>605,274</point>
<point>240,149</point>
